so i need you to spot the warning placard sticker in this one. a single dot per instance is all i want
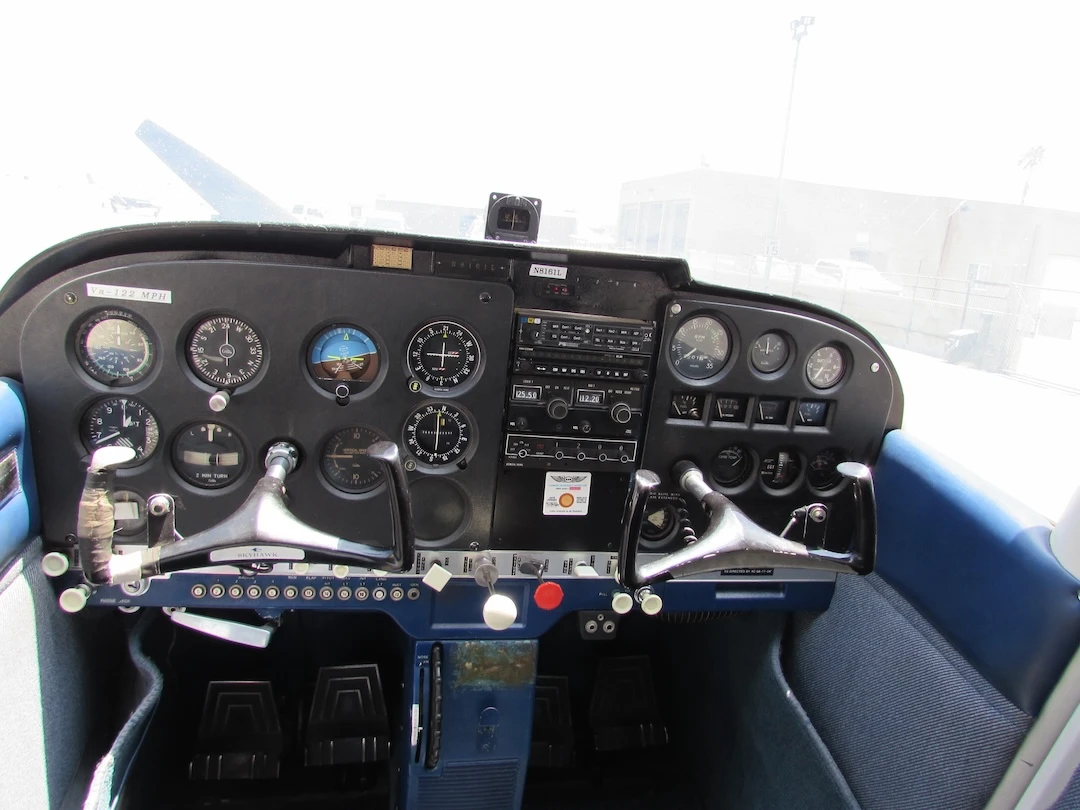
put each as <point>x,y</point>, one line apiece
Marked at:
<point>567,493</point>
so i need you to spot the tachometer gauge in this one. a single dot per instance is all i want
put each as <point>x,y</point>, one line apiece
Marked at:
<point>346,463</point>
<point>822,474</point>
<point>443,355</point>
<point>343,355</point>
<point>121,422</point>
<point>700,347</point>
<point>825,367</point>
<point>769,353</point>
<point>114,349</point>
<point>208,455</point>
<point>781,468</point>
<point>225,351</point>
<point>438,434</point>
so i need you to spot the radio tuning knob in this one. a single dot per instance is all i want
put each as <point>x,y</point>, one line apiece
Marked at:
<point>621,412</point>
<point>558,409</point>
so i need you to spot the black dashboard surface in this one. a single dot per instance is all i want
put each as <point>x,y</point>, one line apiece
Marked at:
<point>291,283</point>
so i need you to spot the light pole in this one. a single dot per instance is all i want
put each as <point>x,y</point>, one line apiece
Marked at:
<point>799,29</point>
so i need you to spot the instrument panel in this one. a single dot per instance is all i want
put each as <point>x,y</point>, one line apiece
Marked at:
<point>334,359</point>
<point>523,404</point>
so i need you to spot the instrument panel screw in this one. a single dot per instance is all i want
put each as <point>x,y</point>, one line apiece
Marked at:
<point>875,367</point>
<point>410,465</point>
<point>485,297</point>
<point>70,298</point>
<point>676,309</point>
<point>159,505</point>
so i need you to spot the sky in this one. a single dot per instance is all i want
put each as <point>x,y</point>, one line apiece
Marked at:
<point>446,102</point>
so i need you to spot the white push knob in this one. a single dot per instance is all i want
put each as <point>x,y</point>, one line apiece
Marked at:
<point>584,570</point>
<point>341,571</point>
<point>219,401</point>
<point>651,603</point>
<point>622,603</point>
<point>73,600</point>
<point>437,577</point>
<point>301,568</point>
<point>55,564</point>
<point>499,611</point>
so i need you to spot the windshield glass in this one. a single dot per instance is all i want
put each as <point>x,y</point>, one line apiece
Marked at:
<point>912,166</point>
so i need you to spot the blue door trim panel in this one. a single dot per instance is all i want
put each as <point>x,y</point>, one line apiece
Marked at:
<point>19,519</point>
<point>978,566</point>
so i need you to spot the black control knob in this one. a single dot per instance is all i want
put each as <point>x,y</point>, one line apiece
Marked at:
<point>621,412</point>
<point>558,409</point>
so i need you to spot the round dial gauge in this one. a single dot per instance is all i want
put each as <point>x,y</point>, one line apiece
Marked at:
<point>825,367</point>
<point>769,352</point>
<point>114,349</point>
<point>443,354</point>
<point>700,347</point>
<point>731,466</point>
<point>659,522</point>
<point>209,455</point>
<point>225,351</point>
<point>822,474</point>
<point>781,468</point>
<point>121,422</point>
<point>346,463</point>
<point>438,434</point>
<point>343,355</point>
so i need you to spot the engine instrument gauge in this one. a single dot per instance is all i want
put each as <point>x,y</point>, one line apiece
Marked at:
<point>659,523</point>
<point>346,463</point>
<point>822,474</point>
<point>700,347</point>
<point>731,466</point>
<point>825,367</point>
<point>443,355</point>
<point>121,422</point>
<point>781,468</point>
<point>343,355</point>
<point>438,434</point>
<point>225,351</point>
<point>769,353</point>
<point>208,455</point>
<point>687,406</point>
<point>114,349</point>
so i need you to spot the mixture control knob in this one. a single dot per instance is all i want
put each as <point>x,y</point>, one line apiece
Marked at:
<point>548,595</point>
<point>621,412</point>
<point>499,611</point>
<point>622,603</point>
<point>558,409</point>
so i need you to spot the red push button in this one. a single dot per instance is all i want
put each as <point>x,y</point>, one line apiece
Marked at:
<point>548,595</point>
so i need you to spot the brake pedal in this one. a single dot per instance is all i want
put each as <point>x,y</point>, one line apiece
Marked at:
<point>348,723</point>
<point>624,714</point>
<point>239,733</point>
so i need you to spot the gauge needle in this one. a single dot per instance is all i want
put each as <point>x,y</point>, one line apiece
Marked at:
<point>210,432</point>
<point>223,354</point>
<point>124,421</point>
<point>438,428</point>
<point>110,437</point>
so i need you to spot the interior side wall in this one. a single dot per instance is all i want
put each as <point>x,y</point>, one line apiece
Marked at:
<point>751,745</point>
<point>909,721</point>
<point>44,728</point>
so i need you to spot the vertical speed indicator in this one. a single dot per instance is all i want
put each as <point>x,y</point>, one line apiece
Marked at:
<point>443,355</point>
